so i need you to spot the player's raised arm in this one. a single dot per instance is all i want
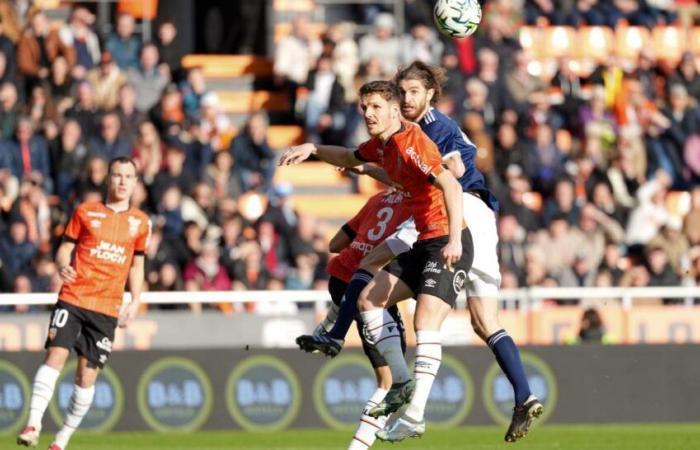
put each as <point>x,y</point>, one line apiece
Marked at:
<point>452,191</point>
<point>332,154</point>
<point>136,277</point>
<point>341,240</point>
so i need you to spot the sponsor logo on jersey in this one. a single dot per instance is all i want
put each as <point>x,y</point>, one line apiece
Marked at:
<point>134,224</point>
<point>107,251</point>
<point>458,280</point>
<point>432,267</point>
<point>417,160</point>
<point>360,246</point>
<point>105,344</point>
<point>430,283</point>
<point>95,223</point>
<point>394,198</point>
<point>96,214</point>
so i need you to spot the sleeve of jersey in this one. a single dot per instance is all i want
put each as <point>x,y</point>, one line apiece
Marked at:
<point>367,151</point>
<point>74,227</point>
<point>427,159</point>
<point>352,225</point>
<point>142,241</point>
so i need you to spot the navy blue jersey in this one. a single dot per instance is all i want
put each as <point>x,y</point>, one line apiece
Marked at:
<point>450,139</point>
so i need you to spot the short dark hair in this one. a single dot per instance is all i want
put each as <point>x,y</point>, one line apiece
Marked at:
<point>121,160</point>
<point>432,77</point>
<point>387,89</point>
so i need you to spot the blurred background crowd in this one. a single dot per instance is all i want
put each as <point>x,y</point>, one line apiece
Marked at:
<point>596,164</point>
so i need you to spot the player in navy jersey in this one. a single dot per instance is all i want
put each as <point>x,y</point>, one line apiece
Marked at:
<point>420,86</point>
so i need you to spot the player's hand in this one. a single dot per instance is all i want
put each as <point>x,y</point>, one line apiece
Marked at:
<point>297,154</point>
<point>128,314</point>
<point>67,274</point>
<point>451,254</point>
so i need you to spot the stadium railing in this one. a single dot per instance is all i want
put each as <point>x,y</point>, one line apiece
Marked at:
<point>524,298</point>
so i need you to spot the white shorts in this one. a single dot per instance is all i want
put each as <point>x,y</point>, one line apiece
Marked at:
<point>485,274</point>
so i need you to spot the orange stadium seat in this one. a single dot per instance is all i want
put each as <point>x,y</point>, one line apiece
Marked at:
<point>309,174</point>
<point>293,5</point>
<point>694,40</point>
<point>229,66</point>
<point>557,41</point>
<point>629,41</point>
<point>330,207</point>
<point>669,43</point>
<point>594,43</point>
<point>281,136</point>
<point>283,30</point>
<point>678,203</point>
<point>241,102</point>
<point>529,38</point>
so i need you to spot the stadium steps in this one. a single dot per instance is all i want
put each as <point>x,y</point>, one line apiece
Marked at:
<point>229,66</point>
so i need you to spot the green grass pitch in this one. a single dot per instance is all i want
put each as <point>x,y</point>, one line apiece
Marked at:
<point>546,437</point>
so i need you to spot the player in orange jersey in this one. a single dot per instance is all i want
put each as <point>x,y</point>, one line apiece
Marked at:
<point>103,246</point>
<point>433,271</point>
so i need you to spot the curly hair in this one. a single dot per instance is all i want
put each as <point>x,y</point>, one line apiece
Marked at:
<point>432,77</point>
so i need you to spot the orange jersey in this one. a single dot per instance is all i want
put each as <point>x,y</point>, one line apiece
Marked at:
<point>106,242</point>
<point>376,221</point>
<point>412,160</point>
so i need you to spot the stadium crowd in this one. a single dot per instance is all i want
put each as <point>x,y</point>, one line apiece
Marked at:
<point>586,179</point>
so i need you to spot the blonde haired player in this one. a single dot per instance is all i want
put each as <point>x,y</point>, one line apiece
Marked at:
<point>103,246</point>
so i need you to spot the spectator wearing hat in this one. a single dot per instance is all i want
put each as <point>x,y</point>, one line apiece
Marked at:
<point>381,43</point>
<point>123,44</point>
<point>16,251</point>
<point>106,80</point>
<point>148,79</point>
<point>109,143</point>
<point>254,160</point>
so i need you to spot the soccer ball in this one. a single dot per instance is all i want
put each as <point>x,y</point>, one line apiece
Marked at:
<point>457,18</point>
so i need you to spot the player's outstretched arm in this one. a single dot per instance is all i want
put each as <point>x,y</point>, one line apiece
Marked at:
<point>339,241</point>
<point>64,256</point>
<point>136,277</point>
<point>332,154</point>
<point>452,191</point>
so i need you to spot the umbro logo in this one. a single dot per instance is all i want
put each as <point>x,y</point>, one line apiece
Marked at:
<point>430,283</point>
<point>390,329</point>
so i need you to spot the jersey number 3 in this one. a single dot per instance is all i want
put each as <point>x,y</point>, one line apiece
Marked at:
<point>384,215</point>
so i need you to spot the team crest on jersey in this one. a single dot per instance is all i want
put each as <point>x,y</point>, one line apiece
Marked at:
<point>95,223</point>
<point>52,333</point>
<point>134,224</point>
<point>458,280</point>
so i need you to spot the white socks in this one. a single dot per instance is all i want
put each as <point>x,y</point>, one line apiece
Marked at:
<point>365,435</point>
<point>79,405</point>
<point>44,383</point>
<point>384,332</point>
<point>428,358</point>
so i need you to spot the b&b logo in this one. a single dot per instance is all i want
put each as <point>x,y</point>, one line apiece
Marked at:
<point>342,388</point>
<point>14,398</point>
<point>458,280</point>
<point>175,394</point>
<point>107,405</point>
<point>263,393</point>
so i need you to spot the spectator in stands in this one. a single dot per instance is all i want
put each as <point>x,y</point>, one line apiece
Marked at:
<point>123,44</point>
<point>205,273</point>
<point>683,121</point>
<point>595,229</point>
<point>193,89</point>
<point>248,272</point>
<point>129,116</point>
<point>196,142</point>
<point>691,227</point>
<point>148,79</point>
<point>549,11</point>
<point>509,150</point>
<point>562,203</point>
<point>346,58</point>
<point>544,162</point>
<point>106,80</point>
<point>61,84</point>
<point>68,155</point>
<point>602,198</point>
<point>221,176</point>
<point>520,84</point>
<point>175,172</point>
<point>422,44</point>
<point>168,115</point>
<point>78,35</point>
<point>148,152</point>
<point>199,206</point>
<point>476,102</point>
<point>558,243</point>
<point>11,109</point>
<point>673,243</point>
<point>7,48</point>
<point>511,246</point>
<point>687,75</point>
<point>169,210</point>
<point>382,44</point>
<point>214,123</point>
<point>16,251</point>
<point>109,143</point>
<point>5,76</point>
<point>514,204</point>
<point>38,47</point>
<point>170,51</point>
<point>168,279</point>
<point>661,272</point>
<point>94,179</point>
<point>651,213</point>
<point>296,54</point>
<point>303,275</point>
<point>325,105</point>
<point>254,160</point>
<point>27,153</point>
<point>85,111</point>
<point>40,108</point>
<point>613,263</point>
<point>599,128</point>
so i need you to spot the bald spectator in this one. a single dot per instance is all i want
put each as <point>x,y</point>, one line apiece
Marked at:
<point>148,79</point>
<point>123,44</point>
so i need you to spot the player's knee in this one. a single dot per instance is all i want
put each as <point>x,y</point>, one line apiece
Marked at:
<point>86,379</point>
<point>56,357</point>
